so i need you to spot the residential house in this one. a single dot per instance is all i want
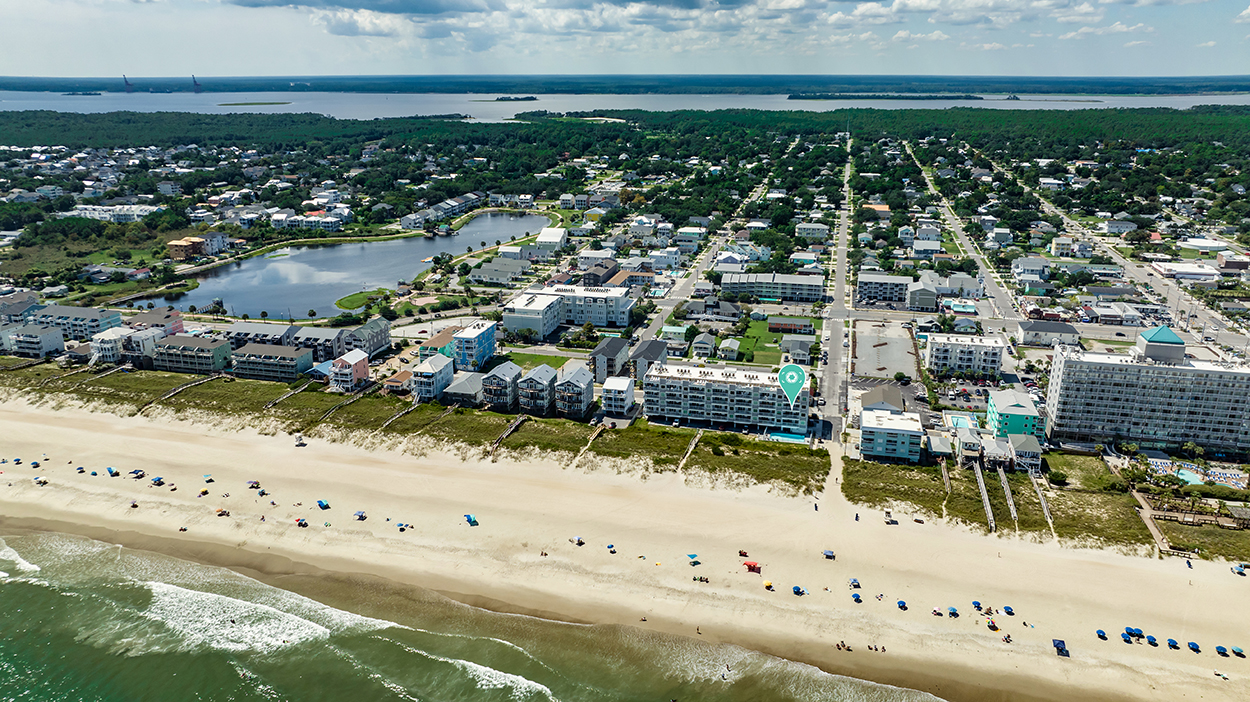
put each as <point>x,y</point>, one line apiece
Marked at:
<point>241,334</point>
<point>500,386</point>
<point>36,340</point>
<point>431,377</point>
<point>617,397</point>
<point>887,398</point>
<point>922,296</point>
<point>537,390</point>
<point>647,353</point>
<point>791,325</point>
<point>349,371</point>
<point>600,273</point>
<point>474,345</point>
<point>168,319</point>
<point>704,345</point>
<point>79,323</point>
<point>882,288</point>
<point>924,250</point>
<point>729,349</point>
<point>1040,333</point>
<point>885,434</point>
<point>610,358</point>
<point>371,337</point>
<point>1013,412</point>
<point>465,390</point>
<point>444,342</point>
<point>398,384</point>
<point>798,348</point>
<point>575,390</point>
<point>327,343</point>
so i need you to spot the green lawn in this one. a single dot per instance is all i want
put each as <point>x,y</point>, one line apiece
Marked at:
<point>1084,472</point>
<point>471,427</point>
<point>359,299</point>
<point>758,338</point>
<point>1209,540</point>
<point>236,397</point>
<point>1101,517</point>
<point>528,361</point>
<point>878,484</point>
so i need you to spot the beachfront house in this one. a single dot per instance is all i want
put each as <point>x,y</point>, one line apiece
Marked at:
<point>398,384</point>
<point>241,334</point>
<point>432,377</point>
<point>889,435</point>
<point>80,323</point>
<point>1013,412</point>
<point>349,371</point>
<point>327,343</point>
<point>444,342</point>
<point>609,358</point>
<point>465,390</point>
<point>575,390</point>
<point>499,386</point>
<point>617,397</point>
<point>36,340</point>
<point>537,390</point>
<point>474,345</point>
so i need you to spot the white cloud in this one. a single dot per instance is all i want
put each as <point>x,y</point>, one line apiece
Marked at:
<point>1084,12</point>
<point>1139,42</point>
<point>1205,45</point>
<point>1117,28</point>
<point>935,35</point>
<point>1244,16</point>
<point>352,23</point>
<point>994,46</point>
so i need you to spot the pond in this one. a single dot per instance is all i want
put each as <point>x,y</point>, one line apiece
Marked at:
<point>296,279</point>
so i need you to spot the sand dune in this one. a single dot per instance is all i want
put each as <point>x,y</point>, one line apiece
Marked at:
<point>525,508</point>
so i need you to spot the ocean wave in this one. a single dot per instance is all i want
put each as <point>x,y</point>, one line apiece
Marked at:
<point>487,678</point>
<point>207,620</point>
<point>8,554</point>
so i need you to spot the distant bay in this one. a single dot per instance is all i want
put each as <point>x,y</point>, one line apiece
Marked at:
<point>484,107</point>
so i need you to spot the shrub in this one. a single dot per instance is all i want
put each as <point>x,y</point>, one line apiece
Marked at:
<point>1058,477</point>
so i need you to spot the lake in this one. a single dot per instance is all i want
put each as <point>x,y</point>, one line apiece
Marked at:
<point>483,107</point>
<point>299,278</point>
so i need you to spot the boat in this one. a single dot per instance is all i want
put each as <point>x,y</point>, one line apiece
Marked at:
<point>428,259</point>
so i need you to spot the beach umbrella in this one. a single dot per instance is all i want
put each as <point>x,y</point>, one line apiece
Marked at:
<point>856,597</point>
<point>1010,612</point>
<point>471,519</point>
<point>1193,647</point>
<point>952,610</point>
<point>768,584</point>
<point>1101,634</point>
<point>157,479</point>
<point>323,504</point>
<point>902,605</point>
<point>691,556</point>
<point>1172,643</point>
<point>1152,641</point>
<point>611,546</point>
<point>828,554</point>
<point>135,472</point>
<point>208,477</point>
<point>976,605</point>
<point>1128,630</point>
<point>1137,633</point>
<point>360,515</point>
<point>1127,638</point>
<point>1221,650</point>
<point>798,590</point>
<point>1238,652</point>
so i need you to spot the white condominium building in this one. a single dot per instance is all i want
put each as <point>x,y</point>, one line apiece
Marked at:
<point>723,397</point>
<point>775,286</point>
<point>544,310</point>
<point>961,352</point>
<point>1154,397</point>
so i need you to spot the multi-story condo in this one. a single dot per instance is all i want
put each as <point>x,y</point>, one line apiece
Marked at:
<point>894,435</point>
<point>191,354</point>
<point>167,319</point>
<point>775,286</point>
<point>371,337</point>
<point>575,390</point>
<point>618,396</point>
<point>1154,396</point>
<point>443,343</point>
<point>882,288</point>
<point>80,323</point>
<point>960,352</point>
<point>432,377</point>
<point>327,343</point>
<point>812,230</point>
<point>241,334</point>
<point>537,311</point>
<point>1013,412</point>
<point>536,391</point>
<point>499,386</point>
<point>36,340</point>
<point>725,396</point>
<point>474,346</point>
<point>281,364</point>
<point>609,358</point>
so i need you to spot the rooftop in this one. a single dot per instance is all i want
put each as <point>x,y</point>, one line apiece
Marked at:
<point>719,374</point>
<point>1162,335</point>
<point>272,350</point>
<point>888,421</point>
<point>966,340</point>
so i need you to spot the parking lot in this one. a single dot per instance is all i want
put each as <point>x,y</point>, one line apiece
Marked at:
<point>914,397</point>
<point>883,349</point>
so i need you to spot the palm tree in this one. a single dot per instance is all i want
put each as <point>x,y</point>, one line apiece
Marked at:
<point>264,314</point>
<point>1190,448</point>
<point>312,314</point>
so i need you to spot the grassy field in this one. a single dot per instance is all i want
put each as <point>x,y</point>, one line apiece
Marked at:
<point>1084,472</point>
<point>664,445</point>
<point>1209,540</point>
<point>358,299</point>
<point>469,427</point>
<point>1107,518</point>
<point>550,435</point>
<point>798,466</point>
<point>758,339</point>
<point>878,484</point>
<point>528,361</point>
<point>237,397</point>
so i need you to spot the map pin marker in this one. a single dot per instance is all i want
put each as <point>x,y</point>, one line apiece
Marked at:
<point>792,378</point>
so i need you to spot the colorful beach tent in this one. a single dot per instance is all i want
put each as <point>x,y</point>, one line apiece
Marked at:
<point>472,520</point>
<point>752,567</point>
<point>828,554</point>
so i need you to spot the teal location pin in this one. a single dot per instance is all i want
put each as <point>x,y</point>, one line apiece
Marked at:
<point>792,378</point>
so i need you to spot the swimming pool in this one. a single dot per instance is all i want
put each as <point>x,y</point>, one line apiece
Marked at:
<point>788,438</point>
<point>960,422</point>
<point>1189,476</point>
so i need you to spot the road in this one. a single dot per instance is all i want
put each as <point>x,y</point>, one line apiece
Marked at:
<point>1002,300</point>
<point>1205,322</point>
<point>831,379</point>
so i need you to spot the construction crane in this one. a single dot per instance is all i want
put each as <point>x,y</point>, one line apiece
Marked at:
<point>198,88</point>
<point>130,87</point>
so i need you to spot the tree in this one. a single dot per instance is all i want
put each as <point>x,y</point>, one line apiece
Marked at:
<point>264,314</point>
<point>691,332</point>
<point>1058,477</point>
<point>900,376</point>
<point>312,314</point>
<point>191,309</point>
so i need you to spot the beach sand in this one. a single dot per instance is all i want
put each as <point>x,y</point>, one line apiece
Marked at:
<point>654,520</point>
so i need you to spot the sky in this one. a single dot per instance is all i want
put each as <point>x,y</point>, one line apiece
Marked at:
<point>424,37</point>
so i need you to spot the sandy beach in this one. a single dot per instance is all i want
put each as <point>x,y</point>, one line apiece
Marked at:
<point>527,507</point>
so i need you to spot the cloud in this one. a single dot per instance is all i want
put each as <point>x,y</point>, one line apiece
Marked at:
<point>994,46</point>
<point>1244,16</point>
<point>935,35</point>
<point>359,23</point>
<point>1205,45</point>
<point>1139,42</point>
<point>1117,28</point>
<point>1084,12</point>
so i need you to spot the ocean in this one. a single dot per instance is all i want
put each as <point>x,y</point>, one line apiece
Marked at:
<point>87,620</point>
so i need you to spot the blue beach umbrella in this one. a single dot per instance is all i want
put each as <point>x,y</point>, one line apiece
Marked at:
<point>1194,647</point>
<point>1221,650</point>
<point>1010,612</point>
<point>1127,638</point>
<point>855,597</point>
<point>1152,641</point>
<point>1172,643</point>
<point>1101,634</point>
<point>1238,652</point>
<point>902,605</point>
